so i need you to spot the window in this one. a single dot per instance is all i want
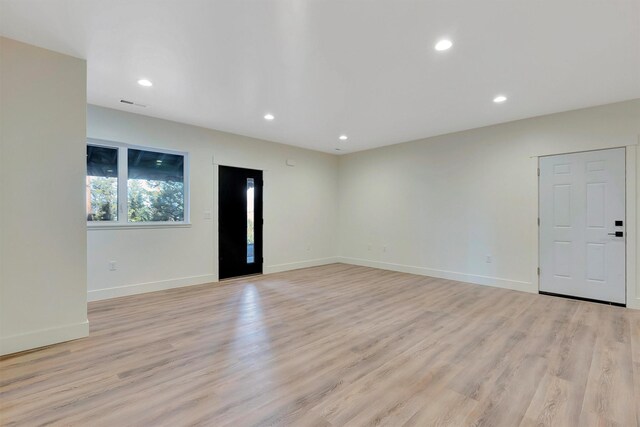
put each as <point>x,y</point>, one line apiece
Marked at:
<point>102,183</point>
<point>155,186</point>
<point>250,217</point>
<point>129,185</point>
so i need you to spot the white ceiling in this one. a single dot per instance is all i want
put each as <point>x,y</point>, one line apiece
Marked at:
<point>327,67</point>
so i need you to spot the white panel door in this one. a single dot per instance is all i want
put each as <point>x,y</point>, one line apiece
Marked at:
<point>582,206</point>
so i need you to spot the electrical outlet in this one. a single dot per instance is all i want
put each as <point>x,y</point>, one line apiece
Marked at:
<point>384,249</point>
<point>112,266</point>
<point>488,259</point>
<point>369,246</point>
<point>308,248</point>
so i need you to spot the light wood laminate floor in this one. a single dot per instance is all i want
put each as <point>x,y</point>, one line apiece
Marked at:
<point>332,346</point>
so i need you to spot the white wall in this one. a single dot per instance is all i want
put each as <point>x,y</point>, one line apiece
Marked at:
<point>437,206</point>
<point>440,205</point>
<point>42,223</point>
<point>300,208</point>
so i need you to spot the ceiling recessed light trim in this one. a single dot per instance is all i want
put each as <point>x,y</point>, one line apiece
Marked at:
<point>145,83</point>
<point>499,99</point>
<point>269,116</point>
<point>443,44</point>
<point>343,137</point>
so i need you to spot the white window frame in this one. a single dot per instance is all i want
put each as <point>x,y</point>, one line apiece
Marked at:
<point>123,198</point>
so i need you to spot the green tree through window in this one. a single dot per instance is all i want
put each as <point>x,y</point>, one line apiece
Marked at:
<point>155,185</point>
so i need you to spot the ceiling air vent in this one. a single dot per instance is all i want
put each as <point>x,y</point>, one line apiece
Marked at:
<point>124,101</point>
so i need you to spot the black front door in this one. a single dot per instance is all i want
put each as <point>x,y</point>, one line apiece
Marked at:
<point>239,221</point>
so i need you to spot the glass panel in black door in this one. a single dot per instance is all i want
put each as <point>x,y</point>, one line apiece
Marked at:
<point>240,221</point>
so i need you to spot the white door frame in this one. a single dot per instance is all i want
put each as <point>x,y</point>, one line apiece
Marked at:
<point>633,295</point>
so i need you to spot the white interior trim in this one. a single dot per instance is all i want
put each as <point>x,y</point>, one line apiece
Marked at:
<point>495,282</point>
<point>43,337</point>
<point>161,285</point>
<point>268,269</point>
<point>633,294</point>
<point>141,288</point>
<point>138,226</point>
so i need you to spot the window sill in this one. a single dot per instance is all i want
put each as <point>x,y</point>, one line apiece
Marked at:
<point>138,226</point>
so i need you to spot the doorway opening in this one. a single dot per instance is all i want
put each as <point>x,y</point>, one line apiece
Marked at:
<point>582,237</point>
<point>240,221</point>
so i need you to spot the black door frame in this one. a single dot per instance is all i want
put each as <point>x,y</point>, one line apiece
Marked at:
<point>216,189</point>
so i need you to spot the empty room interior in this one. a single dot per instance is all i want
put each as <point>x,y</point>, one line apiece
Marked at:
<point>319,213</point>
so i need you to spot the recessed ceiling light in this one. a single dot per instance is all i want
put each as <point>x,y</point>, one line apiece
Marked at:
<point>444,44</point>
<point>343,137</point>
<point>269,117</point>
<point>145,83</point>
<point>499,99</point>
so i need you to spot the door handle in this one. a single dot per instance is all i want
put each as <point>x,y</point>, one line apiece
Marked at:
<point>617,234</point>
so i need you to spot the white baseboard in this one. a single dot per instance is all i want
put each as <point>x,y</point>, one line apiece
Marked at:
<point>301,264</point>
<point>634,303</point>
<point>141,288</point>
<point>43,337</point>
<point>442,274</point>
